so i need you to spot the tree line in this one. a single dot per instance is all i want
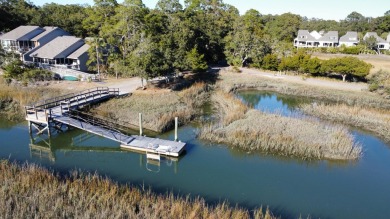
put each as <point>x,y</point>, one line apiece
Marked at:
<point>130,39</point>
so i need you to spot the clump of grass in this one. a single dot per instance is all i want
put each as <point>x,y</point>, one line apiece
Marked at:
<point>29,191</point>
<point>231,82</point>
<point>13,98</point>
<point>375,120</point>
<point>159,108</point>
<point>253,130</point>
<point>230,108</point>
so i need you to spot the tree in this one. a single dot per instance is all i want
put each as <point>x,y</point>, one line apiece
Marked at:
<point>169,6</point>
<point>312,66</point>
<point>284,27</point>
<point>346,66</point>
<point>356,22</point>
<point>13,69</point>
<point>196,61</point>
<point>67,17</point>
<point>244,44</point>
<point>370,43</point>
<point>15,13</point>
<point>98,15</point>
<point>270,62</point>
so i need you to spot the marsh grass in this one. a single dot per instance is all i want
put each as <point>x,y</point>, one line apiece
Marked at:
<point>230,82</point>
<point>13,98</point>
<point>374,120</point>
<point>159,108</point>
<point>30,191</point>
<point>253,130</point>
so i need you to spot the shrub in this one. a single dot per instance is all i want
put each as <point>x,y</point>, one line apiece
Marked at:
<point>379,81</point>
<point>270,62</point>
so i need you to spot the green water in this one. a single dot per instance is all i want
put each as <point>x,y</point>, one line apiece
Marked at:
<point>70,78</point>
<point>291,187</point>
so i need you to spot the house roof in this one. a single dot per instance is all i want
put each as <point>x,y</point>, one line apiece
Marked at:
<point>331,36</point>
<point>388,38</point>
<point>315,34</point>
<point>56,47</point>
<point>21,33</point>
<point>304,35</point>
<point>80,51</point>
<point>350,37</point>
<point>374,34</point>
<point>47,31</point>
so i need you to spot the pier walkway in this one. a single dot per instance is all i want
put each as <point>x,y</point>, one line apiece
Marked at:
<point>63,110</point>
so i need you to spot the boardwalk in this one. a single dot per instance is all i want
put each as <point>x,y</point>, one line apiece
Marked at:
<point>59,111</point>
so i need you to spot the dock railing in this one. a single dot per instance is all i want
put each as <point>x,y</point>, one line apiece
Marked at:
<point>70,99</point>
<point>99,122</point>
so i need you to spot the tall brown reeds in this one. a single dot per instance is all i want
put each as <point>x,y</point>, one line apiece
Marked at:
<point>29,191</point>
<point>253,130</point>
<point>13,98</point>
<point>159,108</point>
<point>375,120</point>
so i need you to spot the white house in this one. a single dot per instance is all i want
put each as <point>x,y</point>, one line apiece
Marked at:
<point>305,39</point>
<point>381,43</point>
<point>316,39</point>
<point>330,39</point>
<point>349,39</point>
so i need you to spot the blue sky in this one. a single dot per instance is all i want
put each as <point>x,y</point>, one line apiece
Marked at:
<point>330,9</point>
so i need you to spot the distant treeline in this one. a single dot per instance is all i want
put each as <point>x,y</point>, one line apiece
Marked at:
<point>154,42</point>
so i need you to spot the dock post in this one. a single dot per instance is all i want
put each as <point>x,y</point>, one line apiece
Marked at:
<point>29,127</point>
<point>140,124</point>
<point>176,125</point>
<point>48,129</point>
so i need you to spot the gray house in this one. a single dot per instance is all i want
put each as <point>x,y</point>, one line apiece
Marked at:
<point>80,58</point>
<point>42,39</point>
<point>330,39</point>
<point>20,39</point>
<point>349,39</point>
<point>305,39</point>
<point>56,52</point>
<point>381,43</point>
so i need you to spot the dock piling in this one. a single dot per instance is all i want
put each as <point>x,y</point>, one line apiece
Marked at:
<point>176,126</point>
<point>140,124</point>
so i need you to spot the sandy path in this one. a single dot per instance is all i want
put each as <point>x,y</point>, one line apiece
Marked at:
<point>333,84</point>
<point>126,85</point>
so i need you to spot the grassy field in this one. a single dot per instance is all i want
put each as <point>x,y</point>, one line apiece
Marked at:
<point>232,81</point>
<point>377,121</point>
<point>159,107</point>
<point>29,191</point>
<point>253,130</point>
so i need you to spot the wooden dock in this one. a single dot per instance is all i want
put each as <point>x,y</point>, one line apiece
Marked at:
<point>59,111</point>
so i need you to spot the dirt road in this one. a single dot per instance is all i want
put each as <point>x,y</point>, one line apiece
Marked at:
<point>322,82</point>
<point>125,86</point>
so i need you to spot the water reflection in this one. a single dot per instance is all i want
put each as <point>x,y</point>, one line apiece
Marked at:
<point>43,147</point>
